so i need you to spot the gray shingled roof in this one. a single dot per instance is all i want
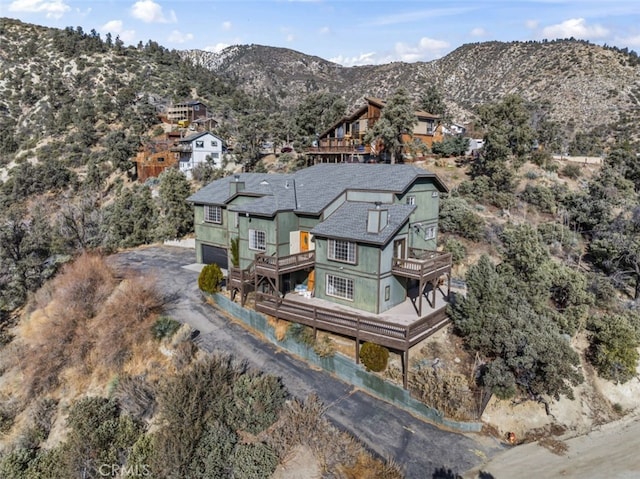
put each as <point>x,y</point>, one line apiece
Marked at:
<point>349,222</point>
<point>313,188</point>
<point>193,136</point>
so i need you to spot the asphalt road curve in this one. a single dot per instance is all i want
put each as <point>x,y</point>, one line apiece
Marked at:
<point>424,450</point>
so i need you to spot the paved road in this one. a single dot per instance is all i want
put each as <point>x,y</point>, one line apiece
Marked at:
<point>422,448</point>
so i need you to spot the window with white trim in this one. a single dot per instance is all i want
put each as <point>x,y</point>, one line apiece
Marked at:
<point>434,194</point>
<point>212,214</point>
<point>430,232</point>
<point>257,240</point>
<point>342,250</point>
<point>199,144</point>
<point>411,200</point>
<point>214,143</point>
<point>339,287</point>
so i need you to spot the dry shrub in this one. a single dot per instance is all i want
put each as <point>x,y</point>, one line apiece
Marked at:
<point>63,340</point>
<point>90,322</point>
<point>441,388</point>
<point>279,326</point>
<point>184,354</point>
<point>136,396</point>
<point>337,452</point>
<point>84,285</point>
<point>125,321</point>
<point>368,467</point>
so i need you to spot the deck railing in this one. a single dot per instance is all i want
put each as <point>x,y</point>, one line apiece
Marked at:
<point>364,328</point>
<point>274,265</point>
<point>428,264</point>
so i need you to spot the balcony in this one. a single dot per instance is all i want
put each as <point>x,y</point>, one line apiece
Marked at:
<point>425,266</point>
<point>274,266</point>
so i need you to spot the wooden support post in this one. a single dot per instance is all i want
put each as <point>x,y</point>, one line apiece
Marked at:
<point>358,341</point>
<point>420,287</point>
<point>434,285</point>
<point>405,367</point>
<point>448,285</point>
<point>315,325</point>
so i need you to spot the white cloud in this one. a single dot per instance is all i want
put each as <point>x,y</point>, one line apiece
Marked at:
<point>531,24</point>
<point>116,28</point>
<point>632,42</point>
<point>290,37</point>
<point>150,12</point>
<point>218,47</point>
<point>362,59</point>
<point>426,49</point>
<point>478,32</point>
<point>52,9</point>
<point>574,27</point>
<point>226,25</point>
<point>178,37</point>
<point>324,31</point>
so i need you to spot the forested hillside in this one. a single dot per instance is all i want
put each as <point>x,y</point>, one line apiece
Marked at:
<point>550,250</point>
<point>581,86</point>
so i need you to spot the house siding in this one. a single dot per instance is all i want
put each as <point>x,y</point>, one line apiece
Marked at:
<point>209,233</point>
<point>426,212</point>
<point>364,275</point>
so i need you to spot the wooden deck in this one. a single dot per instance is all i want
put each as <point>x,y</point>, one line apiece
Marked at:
<point>361,326</point>
<point>273,266</point>
<point>426,267</point>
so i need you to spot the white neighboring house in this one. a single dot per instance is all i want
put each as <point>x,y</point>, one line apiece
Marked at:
<point>199,148</point>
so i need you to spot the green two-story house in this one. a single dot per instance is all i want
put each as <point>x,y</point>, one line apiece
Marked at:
<point>362,222</point>
<point>356,241</point>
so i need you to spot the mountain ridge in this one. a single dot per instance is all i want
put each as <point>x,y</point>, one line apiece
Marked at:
<point>576,81</point>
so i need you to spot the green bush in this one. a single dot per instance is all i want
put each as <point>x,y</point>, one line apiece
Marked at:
<point>572,171</point>
<point>210,278</point>
<point>540,196</point>
<point>456,248</point>
<point>164,327</point>
<point>457,217</point>
<point>212,455</point>
<point>253,461</point>
<point>613,348</point>
<point>499,378</point>
<point>374,356</point>
<point>257,400</point>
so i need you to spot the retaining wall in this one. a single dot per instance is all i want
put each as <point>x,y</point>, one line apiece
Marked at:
<point>344,368</point>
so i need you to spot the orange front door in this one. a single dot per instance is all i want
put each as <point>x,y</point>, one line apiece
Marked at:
<point>304,241</point>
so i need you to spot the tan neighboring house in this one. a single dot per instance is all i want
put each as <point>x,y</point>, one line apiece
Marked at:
<point>344,140</point>
<point>190,111</point>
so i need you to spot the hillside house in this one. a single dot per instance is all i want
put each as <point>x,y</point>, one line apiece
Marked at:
<point>156,156</point>
<point>190,111</point>
<point>344,140</point>
<point>196,149</point>
<point>347,248</point>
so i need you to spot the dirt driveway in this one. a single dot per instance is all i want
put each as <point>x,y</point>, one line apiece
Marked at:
<point>610,452</point>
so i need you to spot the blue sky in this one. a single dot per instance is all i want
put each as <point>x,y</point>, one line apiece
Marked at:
<point>349,32</point>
